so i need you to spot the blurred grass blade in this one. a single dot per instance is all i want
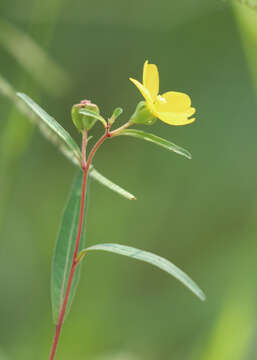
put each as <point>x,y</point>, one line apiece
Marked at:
<point>33,58</point>
<point>246,20</point>
<point>63,254</point>
<point>150,258</point>
<point>250,3</point>
<point>106,182</point>
<point>3,356</point>
<point>9,92</point>
<point>54,131</point>
<point>156,140</point>
<point>16,133</point>
<point>6,89</point>
<point>234,329</point>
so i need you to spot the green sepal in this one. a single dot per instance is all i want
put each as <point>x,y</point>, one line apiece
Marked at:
<point>143,115</point>
<point>116,113</point>
<point>92,114</point>
<point>84,121</point>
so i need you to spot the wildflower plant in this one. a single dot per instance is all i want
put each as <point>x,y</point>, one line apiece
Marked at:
<point>173,108</point>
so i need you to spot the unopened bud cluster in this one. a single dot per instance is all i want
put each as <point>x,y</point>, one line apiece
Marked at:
<point>81,121</point>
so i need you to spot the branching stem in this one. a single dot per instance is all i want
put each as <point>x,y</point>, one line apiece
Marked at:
<point>123,127</point>
<point>85,164</point>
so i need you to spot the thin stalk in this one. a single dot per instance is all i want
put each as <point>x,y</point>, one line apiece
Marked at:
<point>85,167</point>
<point>84,150</point>
<point>123,127</point>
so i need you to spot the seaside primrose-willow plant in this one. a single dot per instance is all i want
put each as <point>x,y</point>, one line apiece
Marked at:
<point>173,108</point>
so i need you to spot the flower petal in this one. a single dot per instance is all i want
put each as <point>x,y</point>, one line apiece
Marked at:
<point>176,119</point>
<point>151,79</point>
<point>173,101</point>
<point>190,111</point>
<point>144,91</point>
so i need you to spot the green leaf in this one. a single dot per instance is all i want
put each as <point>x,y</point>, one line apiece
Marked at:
<point>150,258</point>
<point>117,112</point>
<point>108,183</point>
<point>156,140</point>
<point>93,115</point>
<point>54,131</point>
<point>63,254</point>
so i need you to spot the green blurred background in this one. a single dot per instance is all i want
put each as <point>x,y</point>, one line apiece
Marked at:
<point>200,214</point>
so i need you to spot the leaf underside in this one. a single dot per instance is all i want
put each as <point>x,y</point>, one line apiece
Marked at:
<point>156,140</point>
<point>108,183</point>
<point>150,258</point>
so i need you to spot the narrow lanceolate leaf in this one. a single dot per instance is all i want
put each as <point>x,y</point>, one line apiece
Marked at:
<point>150,258</point>
<point>156,140</point>
<point>64,250</point>
<point>54,131</point>
<point>108,183</point>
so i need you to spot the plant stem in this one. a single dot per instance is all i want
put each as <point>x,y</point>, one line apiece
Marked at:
<point>85,167</point>
<point>123,127</point>
<point>84,150</point>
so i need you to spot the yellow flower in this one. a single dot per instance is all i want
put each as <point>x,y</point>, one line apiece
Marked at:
<point>172,107</point>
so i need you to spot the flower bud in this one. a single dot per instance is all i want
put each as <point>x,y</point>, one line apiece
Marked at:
<point>84,122</point>
<point>116,113</point>
<point>143,115</point>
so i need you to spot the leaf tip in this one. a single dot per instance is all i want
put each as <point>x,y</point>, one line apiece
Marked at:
<point>186,154</point>
<point>202,296</point>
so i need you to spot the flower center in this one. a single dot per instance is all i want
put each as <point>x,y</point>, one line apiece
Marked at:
<point>161,99</point>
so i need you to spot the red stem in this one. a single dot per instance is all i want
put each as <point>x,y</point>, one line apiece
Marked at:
<point>84,150</point>
<point>85,168</point>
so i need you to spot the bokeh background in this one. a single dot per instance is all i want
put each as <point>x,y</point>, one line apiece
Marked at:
<point>200,214</point>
